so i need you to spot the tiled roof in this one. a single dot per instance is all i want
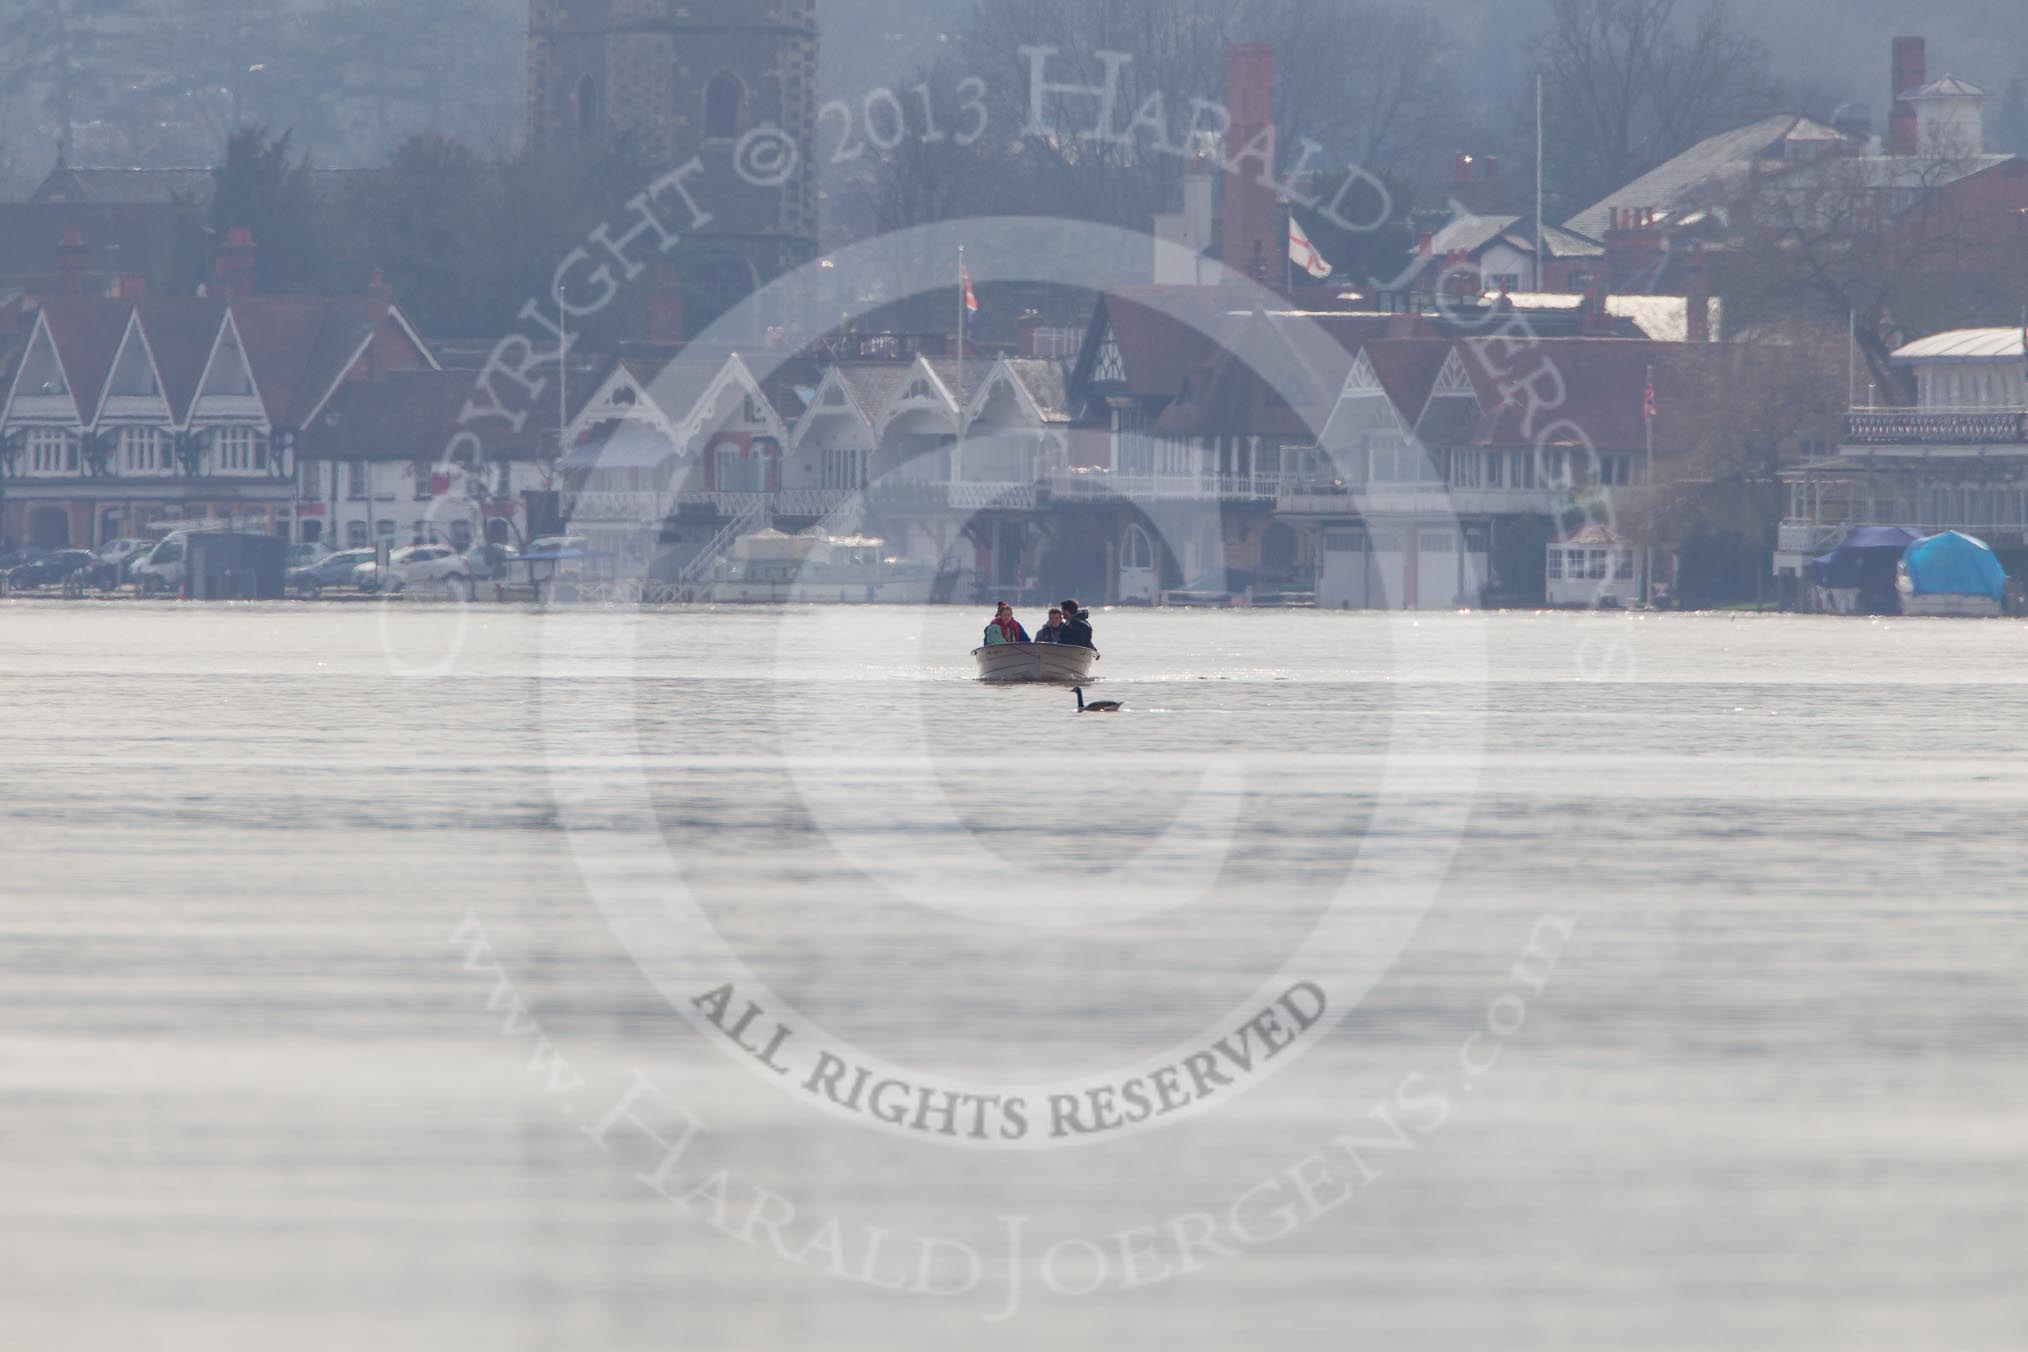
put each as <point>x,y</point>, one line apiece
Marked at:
<point>298,347</point>
<point>678,387</point>
<point>1475,234</point>
<point>87,334</point>
<point>1156,345</point>
<point>1604,382</point>
<point>127,187</point>
<point>411,415</point>
<point>163,187</point>
<point>118,240</point>
<point>1408,370</point>
<point>181,331</point>
<point>789,385</point>
<point>1044,380</point>
<point>1710,170</point>
<point>962,379</point>
<point>1471,233</point>
<point>873,383</point>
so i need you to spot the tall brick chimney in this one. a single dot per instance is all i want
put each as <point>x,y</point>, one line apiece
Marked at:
<point>233,274</point>
<point>1910,74</point>
<point>1475,183</point>
<point>1634,244</point>
<point>1025,329</point>
<point>1697,295</point>
<point>665,305</point>
<point>1252,220</point>
<point>70,262</point>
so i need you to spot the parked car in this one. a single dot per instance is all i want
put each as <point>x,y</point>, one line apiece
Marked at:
<point>60,566</point>
<point>162,570</point>
<point>415,565</point>
<point>304,555</point>
<point>333,570</point>
<point>484,560</point>
<point>120,553</point>
<point>559,544</point>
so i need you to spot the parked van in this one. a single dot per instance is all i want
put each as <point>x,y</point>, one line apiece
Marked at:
<point>163,569</point>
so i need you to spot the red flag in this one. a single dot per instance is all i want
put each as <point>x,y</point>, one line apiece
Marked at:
<point>1648,399</point>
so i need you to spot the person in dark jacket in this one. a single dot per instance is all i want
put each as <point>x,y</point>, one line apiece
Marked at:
<point>1076,627</point>
<point>1004,628</point>
<point>1053,631</point>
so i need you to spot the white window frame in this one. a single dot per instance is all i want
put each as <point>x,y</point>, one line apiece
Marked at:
<point>51,452</point>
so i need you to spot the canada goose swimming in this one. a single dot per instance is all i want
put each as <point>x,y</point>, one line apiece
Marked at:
<point>1097,706</point>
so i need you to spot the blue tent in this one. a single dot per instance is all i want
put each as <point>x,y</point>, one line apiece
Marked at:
<point>1854,563</point>
<point>1954,565</point>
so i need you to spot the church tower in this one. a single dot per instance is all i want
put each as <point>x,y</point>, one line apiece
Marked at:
<point>689,78</point>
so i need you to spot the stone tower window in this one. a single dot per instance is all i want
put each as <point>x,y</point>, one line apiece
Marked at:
<point>585,103</point>
<point>723,98</point>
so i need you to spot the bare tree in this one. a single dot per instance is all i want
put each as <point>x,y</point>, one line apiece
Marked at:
<point>1361,83</point>
<point>1634,82</point>
<point>1734,415</point>
<point>220,60</point>
<point>61,53</point>
<point>1888,243</point>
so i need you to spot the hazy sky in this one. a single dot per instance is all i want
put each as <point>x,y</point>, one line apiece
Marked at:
<point>1841,44</point>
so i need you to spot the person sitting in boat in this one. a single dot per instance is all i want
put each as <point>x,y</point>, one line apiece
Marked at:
<point>1004,628</point>
<point>1076,627</point>
<point>1053,631</point>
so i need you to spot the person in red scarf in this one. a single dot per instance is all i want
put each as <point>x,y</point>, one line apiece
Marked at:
<point>1004,628</point>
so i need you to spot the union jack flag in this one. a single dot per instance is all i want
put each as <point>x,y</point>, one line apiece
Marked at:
<point>971,298</point>
<point>1648,397</point>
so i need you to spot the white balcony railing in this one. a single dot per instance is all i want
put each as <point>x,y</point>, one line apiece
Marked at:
<point>1397,499</point>
<point>1100,485</point>
<point>1300,497</point>
<point>1937,427</point>
<point>1807,537</point>
<point>638,508</point>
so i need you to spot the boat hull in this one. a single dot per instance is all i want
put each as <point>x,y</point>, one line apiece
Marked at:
<point>1033,662</point>
<point>1951,604</point>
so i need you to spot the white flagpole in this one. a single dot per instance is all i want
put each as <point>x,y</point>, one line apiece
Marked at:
<point>1654,497</point>
<point>959,393</point>
<point>1538,183</point>
<point>562,375</point>
<point>1289,248</point>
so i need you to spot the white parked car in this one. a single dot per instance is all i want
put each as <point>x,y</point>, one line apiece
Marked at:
<point>413,566</point>
<point>119,553</point>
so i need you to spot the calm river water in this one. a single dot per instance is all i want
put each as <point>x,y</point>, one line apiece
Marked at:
<point>1672,973</point>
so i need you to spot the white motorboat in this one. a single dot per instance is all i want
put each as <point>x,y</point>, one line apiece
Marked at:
<point>769,566</point>
<point>1034,662</point>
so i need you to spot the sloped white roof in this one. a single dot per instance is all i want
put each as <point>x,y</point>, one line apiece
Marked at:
<point>1949,87</point>
<point>1707,172</point>
<point>1966,345</point>
<point>1664,319</point>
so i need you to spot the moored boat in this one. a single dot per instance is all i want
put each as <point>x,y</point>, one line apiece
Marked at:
<point>1034,662</point>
